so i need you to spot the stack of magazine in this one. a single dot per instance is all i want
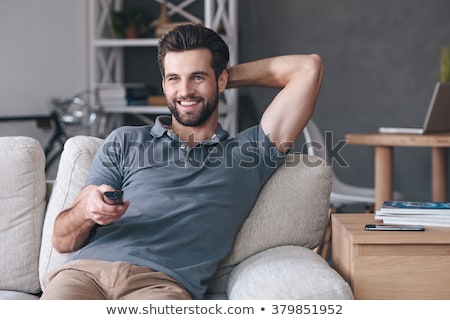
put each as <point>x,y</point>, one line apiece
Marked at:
<point>415,213</point>
<point>112,95</point>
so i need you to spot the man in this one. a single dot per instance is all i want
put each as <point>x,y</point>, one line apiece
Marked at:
<point>188,186</point>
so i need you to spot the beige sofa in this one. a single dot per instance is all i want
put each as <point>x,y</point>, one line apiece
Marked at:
<point>271,258</point>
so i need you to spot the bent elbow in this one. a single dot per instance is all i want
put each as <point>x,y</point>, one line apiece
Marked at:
<point>315,64</point>
<point>316,59</point>
<point>57,245</point>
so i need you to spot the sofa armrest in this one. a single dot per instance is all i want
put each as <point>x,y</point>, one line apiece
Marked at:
<point>287,273</point>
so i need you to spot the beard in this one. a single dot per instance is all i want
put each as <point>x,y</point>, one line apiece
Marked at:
<point>198,116</point>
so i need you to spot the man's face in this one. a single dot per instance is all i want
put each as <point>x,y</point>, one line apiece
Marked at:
<point>190,86</point>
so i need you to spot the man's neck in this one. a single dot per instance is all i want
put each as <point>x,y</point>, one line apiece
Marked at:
<point>193,135</point>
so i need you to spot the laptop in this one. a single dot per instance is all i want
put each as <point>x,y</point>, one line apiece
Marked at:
<point>438,114</point>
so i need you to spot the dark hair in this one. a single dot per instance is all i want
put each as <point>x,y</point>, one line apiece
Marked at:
<point>194,36</point>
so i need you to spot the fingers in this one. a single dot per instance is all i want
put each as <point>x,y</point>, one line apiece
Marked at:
<point>101,212</point>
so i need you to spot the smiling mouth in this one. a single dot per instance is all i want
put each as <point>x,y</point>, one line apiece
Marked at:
<point>189,103</point>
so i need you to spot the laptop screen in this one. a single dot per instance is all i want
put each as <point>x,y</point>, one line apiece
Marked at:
<point>438,115</point>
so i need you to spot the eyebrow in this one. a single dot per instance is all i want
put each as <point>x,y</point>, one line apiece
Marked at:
<point>204,73</point>
<point>201,73</point>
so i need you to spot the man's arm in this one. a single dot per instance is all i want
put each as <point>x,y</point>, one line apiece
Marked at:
<point>73,226</point>
<point>299,77</point>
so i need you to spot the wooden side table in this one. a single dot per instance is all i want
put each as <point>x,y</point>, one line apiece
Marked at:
<point>391,264</point>
<point>384,149</point>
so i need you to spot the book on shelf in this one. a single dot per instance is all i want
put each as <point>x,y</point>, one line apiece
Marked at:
<point>429,213</point>
<point>150,101</point>
<point>121,89</point>
<point>157,100</point>
<point>120,85</point>
<point>124,94</point>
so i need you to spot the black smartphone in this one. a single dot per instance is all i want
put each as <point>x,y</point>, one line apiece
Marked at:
<point>113,197</point>
<point>393,227</point>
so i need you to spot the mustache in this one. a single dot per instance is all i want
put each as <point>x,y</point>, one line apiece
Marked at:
<point>188,97</point>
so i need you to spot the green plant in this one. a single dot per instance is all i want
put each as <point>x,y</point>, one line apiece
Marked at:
<point>123,20</point>
<point>445,64</point>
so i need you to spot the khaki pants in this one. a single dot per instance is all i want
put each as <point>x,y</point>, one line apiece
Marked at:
<point>98,280</point>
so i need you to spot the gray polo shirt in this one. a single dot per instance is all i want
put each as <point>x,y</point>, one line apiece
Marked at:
<point>187,204</point>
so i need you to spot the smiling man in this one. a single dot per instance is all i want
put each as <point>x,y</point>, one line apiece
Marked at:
<point>184,87</point>
<point>192,92</point>
<point>188,186</point>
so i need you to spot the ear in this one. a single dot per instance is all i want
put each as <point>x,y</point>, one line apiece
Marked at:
<point>163,86</point>
<point>222,81</point>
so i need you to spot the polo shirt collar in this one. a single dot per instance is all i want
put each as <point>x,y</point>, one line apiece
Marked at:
<point>161,123</point>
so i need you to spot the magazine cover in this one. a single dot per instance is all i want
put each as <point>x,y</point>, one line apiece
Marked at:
<point>415,205</point>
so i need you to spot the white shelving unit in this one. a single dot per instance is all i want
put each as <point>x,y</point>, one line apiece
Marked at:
<point>106,54</point>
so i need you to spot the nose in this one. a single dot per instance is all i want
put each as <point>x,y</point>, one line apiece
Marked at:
<point>186,88</point>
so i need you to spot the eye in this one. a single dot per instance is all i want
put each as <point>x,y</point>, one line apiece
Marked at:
<point>199,77</point>
<point>172,78</point>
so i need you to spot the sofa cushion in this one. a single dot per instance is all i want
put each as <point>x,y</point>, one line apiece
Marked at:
<point>17,295</point>
<point>22,196</point>
<point>291,209</point>
<point>73,169</point>
<point>287,273</point>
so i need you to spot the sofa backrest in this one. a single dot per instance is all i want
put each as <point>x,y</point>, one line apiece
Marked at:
<point>291,209</point>
<point>73,169</point>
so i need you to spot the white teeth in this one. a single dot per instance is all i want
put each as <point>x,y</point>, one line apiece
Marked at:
<point>188,103</point>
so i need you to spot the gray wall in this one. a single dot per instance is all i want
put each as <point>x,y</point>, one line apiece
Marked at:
<point>381,64</point>
<point>381,59</point>
<point>43,54</point>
